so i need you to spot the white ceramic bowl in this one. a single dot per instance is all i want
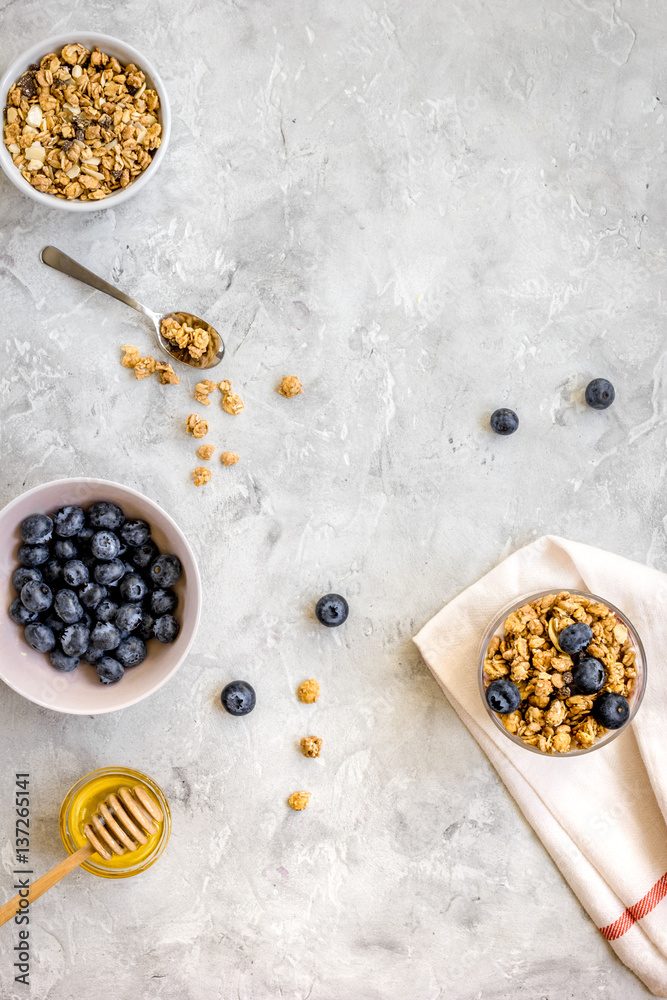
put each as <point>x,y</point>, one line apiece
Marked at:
<point>125,54</point>
<point>80,692</point>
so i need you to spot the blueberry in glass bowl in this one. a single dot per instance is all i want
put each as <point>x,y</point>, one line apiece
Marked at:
<point>562,673</point>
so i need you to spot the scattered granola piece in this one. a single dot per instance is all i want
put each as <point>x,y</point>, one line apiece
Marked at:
<point>231,402</point>
<point>309,691</point>
<point>229,458</point>
<point>201,475</point>
<point>205,451</point>
<point>290,386</point>
<point>198,428</point>
<point>167,374</point>
<point>144,367</point>
<point>202,390</point>
<point>311,746</point>
<point>299,800</point>
<point>131,357</point>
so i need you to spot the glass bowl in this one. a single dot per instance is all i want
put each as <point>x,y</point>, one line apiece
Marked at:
<point>82,801</point>
<point>497,628</point>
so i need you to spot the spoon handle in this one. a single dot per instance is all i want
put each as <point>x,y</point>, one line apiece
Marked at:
<point>61,262</point>
<point>46,882</point>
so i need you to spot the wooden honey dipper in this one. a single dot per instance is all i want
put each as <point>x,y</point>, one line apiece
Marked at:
<point>124,820</point>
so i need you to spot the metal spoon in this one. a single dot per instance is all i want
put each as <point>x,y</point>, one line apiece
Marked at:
<point>212,356</point>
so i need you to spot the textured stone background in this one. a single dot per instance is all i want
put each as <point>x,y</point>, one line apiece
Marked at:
<point>425,210</point>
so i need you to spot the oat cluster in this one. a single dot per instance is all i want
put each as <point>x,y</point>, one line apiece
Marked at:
<point>552,716</point>
<point>198,428</point>
<point>80,125</point>
<point>143,367</point>
<point>299,800</point>
<point>205,452</point>
<point>231,402</point>
<point>311,746</point>
<point>193,339</point>
<point>309,691</point>
<point>201,475</point>
<point>290,386</point>
<point>229,458</point>
<point>202,390</point>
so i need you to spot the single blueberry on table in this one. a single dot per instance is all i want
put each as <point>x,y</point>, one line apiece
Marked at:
<point>65,548</point>
<point>67,607</point>
<point>132,587</point>
<point>163,602</point>
<point>23,574</point>
<point>33,555</point>
<point>74,639</point>
<point>106,610</point>
<point>611,710</point>
<point>600,393</point>
<point>105,545</point>
<point>166,628</point>
<point>109,670</point>
<point>588,675</point>
<point>20,614</point>
<point>105,635</point>
<point>91,594</point>
<point>238,698</point>
<point>53,572</point>
<point>40,637</point>
<point>144,555</point>
<point>75,573</point>
<point>128,617</point>
<point>62,662</point>
<point>105,514</point>
<point>166,570</point>
<point>504,421</point>
<point>36,528</point>
<point>332,610</point>
<point>135,533</point>
<point>109,573</point>
<point>68,521</point>
<point>575,638</point>
<point>131,652</point>
<point>36,596</point>
<point>503,696</point>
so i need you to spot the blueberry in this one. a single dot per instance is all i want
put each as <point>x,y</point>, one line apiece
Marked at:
<point>40,637</point>
<point>90,594</point>
<point>68,521</point>
<point>135,533</point>
<point>504,421</point>
<point>88,560</point>
<point>109,573</point>
<point>132,588</point>
<point>166,570</point>
<point>611,710</point>
<point>106,610</point>
<point>75,573</point>
<point>145,630</point>
<point>62,662</point>
<point>53,572</point>
<point>575,638</point>
<point>109,670</point>
<point>105,635</point>
<point>588,675</point>
<point>55,624</point>
<point>87,619</point>
<point>20,614</point>
<point>36,596</point>
<point>105,515</point>
<point>332,610</point>
<point>33,555</point>
<point>132,652</point>
<point>65,548</point>
<point>67,607</point>
<point>144,555</point>
<point>238,697</point>
<point>36,528</point>
<point>105,545</point>
<point>163,602</point>
<point>23,574</point>
<point>128,617</point>
<point>84,537</point>
<point>503,696</point>
<point>93,656</point>
<point>74,640</point>
<point>166,628</point>
<point>600,394</point>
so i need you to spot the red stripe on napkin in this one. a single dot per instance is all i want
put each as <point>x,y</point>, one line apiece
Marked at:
<point>637,911</point>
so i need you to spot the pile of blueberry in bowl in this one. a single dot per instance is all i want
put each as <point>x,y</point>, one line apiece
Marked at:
<point>93,586</point>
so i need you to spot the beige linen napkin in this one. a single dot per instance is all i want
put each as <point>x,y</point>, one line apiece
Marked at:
<point>603,816</point>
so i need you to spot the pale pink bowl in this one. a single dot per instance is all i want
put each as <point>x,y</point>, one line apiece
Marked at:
<point>80,692</point>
